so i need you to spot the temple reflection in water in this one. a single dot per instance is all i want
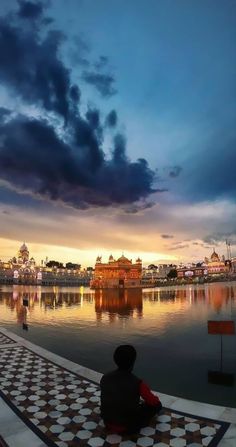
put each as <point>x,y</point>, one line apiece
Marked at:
<point>113,302</point>
<point>121,303</point>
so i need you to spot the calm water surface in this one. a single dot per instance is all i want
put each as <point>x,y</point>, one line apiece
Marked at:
<point>168,327</point>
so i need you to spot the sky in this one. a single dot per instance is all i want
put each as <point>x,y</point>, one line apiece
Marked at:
<point>117,129</point>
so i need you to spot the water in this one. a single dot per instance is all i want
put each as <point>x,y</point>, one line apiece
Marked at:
<point>168,327</point>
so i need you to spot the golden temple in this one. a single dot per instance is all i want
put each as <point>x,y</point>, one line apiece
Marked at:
<point>120,273</point>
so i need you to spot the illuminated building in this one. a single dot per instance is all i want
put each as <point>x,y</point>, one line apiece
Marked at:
<point>22,269</point>
<point>120,273</point>
<point>191,272</point>
<point>23,255</point>
<point>233,265</point>
<point>216,266</point>
<point>210,267</point>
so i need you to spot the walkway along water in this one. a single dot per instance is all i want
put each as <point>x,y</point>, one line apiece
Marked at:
<point>46,400</point>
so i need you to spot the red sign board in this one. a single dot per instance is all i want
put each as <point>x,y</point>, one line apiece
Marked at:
<point>221,327</point>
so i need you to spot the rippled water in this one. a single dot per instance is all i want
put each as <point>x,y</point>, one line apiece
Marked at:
<point>168,327</point>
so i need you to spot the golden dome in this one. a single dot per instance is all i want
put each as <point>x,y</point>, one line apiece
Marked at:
<point>23,253</point>
<point>23,247</point>
<point>215,256</point>
<point>124,260</point>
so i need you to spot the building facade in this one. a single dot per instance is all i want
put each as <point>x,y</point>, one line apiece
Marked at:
<point>191,272</point>
<point>120,273</point>
<point>217,266</point>
<point>213,266</point>
<point>22,269</point>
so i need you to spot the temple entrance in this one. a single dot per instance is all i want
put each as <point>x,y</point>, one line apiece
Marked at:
<point>121,283</point>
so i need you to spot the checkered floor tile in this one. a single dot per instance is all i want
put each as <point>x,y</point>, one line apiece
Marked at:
<point>4,340</point>
<point>63,408</point>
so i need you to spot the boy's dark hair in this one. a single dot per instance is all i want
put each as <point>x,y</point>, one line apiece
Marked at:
<point>125,356</point>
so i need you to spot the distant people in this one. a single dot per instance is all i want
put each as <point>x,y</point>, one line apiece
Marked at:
<point>25,301</point>
<point>121,407</point>
<point>25,326</point>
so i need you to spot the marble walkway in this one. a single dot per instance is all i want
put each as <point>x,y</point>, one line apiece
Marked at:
<point>46,400</point>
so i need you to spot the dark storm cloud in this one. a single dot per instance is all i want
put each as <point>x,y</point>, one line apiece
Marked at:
<point>119,152</point>
<point>174,171</point>
<point>167,236</point>
<point>78,52</point>
<point>93,117</point>
<point>32,147</point>
<point>75,94</point>
<point>31,68</point>
<point>101,63</point>
<point>35,157</point>
<point>111,119</point>
<point>219,237</point>
<point>102,82</point>
<point>137,209</point>
<point>30,10</point>
<point>4,113</point>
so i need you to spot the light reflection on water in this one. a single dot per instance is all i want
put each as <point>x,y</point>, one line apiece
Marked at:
<point>167,326</point>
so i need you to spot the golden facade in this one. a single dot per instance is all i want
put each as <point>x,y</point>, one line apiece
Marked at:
<point>120,273</point>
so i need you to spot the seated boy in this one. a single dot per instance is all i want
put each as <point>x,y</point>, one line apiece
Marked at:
<point>121,390</point>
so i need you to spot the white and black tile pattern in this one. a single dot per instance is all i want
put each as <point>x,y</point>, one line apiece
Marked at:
<point>4,340</point>
<point>63,408</point>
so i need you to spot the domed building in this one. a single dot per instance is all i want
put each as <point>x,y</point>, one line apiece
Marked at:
<point>216,266</point>
<point>215,257</point>
<point>124,260</point>
<point>24,268</point>
<point>22,260</point>
<point>121,273</point>
<point>23,254</point>
<point>111,259</point>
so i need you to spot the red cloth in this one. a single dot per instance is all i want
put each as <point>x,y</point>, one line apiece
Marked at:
<point>147,395</point>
